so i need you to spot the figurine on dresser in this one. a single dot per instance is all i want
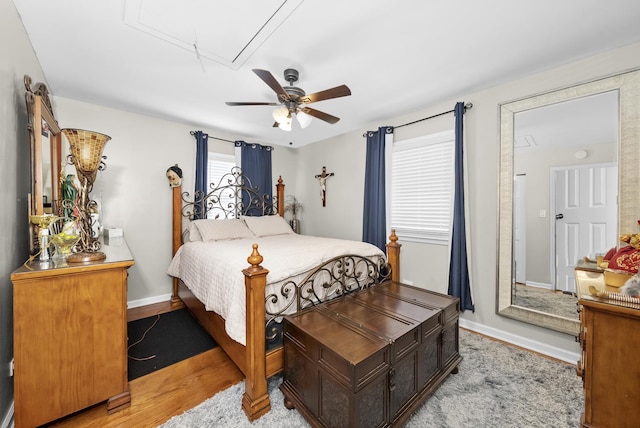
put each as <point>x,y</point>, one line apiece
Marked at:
<point>632,286</point>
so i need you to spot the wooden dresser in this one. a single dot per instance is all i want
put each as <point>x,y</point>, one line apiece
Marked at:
<point>371,358</point>
<point>70,336</point>
<point>610,343</point>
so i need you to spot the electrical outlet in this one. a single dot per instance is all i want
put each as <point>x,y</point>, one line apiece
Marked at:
<point>11,368</point>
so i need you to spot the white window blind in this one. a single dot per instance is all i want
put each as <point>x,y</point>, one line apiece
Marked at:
<point>422,188</point>
<point>217,166</point>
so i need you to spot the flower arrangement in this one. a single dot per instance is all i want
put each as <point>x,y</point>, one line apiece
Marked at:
<point>293,206</point>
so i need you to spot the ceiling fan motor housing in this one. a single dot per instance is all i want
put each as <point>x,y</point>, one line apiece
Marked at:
<point>294,92</point>
<point>291,75</point>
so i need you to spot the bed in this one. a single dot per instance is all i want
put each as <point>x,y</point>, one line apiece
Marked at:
<point>218,274</point>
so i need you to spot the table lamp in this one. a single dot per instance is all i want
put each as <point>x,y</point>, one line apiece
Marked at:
<point>86,155</point>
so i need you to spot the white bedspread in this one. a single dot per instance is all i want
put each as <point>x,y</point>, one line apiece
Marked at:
<point>213,270</point>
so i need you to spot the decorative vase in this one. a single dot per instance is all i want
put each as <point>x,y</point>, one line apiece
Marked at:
<point>295,225</point>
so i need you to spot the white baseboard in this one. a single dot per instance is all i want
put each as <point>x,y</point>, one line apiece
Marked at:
<point>544,285</point>
<point>148,301</point>
<point>7,422</point>
<point>523,342</point>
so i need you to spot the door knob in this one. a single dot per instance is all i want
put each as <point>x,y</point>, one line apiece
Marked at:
<point>559,216</point>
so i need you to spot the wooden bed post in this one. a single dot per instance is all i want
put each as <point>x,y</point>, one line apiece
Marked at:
<point>255,401</point>
<point>393,256</point>
<point>177,238</point>
<point>280,196</point>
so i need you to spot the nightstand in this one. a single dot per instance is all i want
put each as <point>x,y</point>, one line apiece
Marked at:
<point>70,336</point>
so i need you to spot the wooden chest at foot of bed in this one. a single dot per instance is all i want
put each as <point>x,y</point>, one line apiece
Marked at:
<point>371,358</point>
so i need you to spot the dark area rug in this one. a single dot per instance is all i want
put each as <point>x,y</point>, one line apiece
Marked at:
<point>175,336</point>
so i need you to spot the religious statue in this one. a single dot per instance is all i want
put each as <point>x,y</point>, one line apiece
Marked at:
<point>174,175</point>
<point>70,197</point>
<point>323,184</point>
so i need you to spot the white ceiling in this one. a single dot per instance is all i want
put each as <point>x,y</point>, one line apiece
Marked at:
<point>181,60</point>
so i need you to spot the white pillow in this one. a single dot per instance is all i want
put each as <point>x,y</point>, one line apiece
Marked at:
<point>192,233</point>
<point>268,225</point>
<point>220,230</point>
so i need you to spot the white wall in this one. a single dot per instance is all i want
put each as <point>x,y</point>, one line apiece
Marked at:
<point>133,190</point>
<point>426,265</point>
<point>342,215</point>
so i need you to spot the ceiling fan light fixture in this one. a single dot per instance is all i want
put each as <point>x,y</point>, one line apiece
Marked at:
<point>285,125</point>
<point>280,114</point>
<point>304,119</point>
<point>294,100</point>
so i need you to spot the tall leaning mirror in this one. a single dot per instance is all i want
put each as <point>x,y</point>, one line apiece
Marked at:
<point>46,157</point>
<point>569,181</point>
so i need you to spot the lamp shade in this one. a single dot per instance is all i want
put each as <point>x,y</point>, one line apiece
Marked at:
<point>86,149</point>
<point>303,118</point>
<point>285,125</point>
<point>280,114</point>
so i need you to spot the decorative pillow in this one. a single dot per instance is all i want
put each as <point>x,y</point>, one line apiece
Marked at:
<point>626,259</point>
<point>610,254</point>
<point>192,235</point>
<point>220,230</point>
<point>268,225</point>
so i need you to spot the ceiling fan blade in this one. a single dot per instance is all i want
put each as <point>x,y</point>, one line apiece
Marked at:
<point>230,103</point>
<point>268,78</point>
<point>337,92</point>
<point>320,115</point>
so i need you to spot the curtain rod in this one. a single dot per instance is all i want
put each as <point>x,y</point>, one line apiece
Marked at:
<point>229,141</point>
<point>215,138</point>
<point>466,106</point>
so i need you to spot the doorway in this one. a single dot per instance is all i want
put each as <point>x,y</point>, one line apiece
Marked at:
<point>585,206</point>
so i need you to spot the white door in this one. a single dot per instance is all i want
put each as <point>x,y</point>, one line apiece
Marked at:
<point>520,229</point>
<point>586,216</point>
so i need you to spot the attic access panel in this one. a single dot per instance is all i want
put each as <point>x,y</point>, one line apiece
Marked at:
<point>223,32</point>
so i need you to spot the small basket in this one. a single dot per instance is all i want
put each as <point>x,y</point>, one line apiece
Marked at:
<point>616,278</point>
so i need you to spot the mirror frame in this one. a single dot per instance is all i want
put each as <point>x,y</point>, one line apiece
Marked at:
<point>39,109</point>
<point>628,156</point>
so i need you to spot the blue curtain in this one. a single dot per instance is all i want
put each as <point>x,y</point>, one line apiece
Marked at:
<point>202,158</point>
<point>374,222</point>
<point>256,166</point>
<point>459,285</point>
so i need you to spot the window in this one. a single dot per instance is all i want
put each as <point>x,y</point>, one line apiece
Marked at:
<point>217,166</point>
<point>422,188</point>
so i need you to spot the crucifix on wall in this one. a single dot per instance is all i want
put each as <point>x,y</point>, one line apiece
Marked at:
<point>323,184</point>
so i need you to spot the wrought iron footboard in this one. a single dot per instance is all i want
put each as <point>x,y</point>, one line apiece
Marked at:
<point>336,277</point>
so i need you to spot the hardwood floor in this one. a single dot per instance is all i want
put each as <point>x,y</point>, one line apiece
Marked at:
<point>158,396</point>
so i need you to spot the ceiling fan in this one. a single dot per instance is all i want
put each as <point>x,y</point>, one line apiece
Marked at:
<point>294,100</point>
